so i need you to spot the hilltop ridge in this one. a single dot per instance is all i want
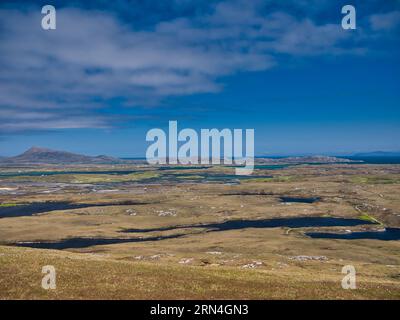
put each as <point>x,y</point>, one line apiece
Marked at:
<point>45,155</point>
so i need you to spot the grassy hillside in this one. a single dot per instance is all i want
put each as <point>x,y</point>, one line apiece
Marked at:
<point>83,276</point>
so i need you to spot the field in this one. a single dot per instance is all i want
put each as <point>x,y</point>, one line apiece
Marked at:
<point>139,232</point>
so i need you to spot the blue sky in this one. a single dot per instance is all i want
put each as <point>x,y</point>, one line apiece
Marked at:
<point>113,70</point>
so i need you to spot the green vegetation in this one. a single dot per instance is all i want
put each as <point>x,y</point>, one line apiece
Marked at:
<point>375,180</point>
<point>100,178</point>
<point>5,205</point>
<point>367,217</point>
<point>272,179</point>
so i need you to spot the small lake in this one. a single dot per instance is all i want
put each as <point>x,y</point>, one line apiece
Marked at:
<point>299,199</point>
<point>77,243</point>
<point>387,234</point>
<point>201,177</point>
<point>23,210</point>
<point>299,222</point>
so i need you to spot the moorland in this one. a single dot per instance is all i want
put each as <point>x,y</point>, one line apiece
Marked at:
<point>128,230</point>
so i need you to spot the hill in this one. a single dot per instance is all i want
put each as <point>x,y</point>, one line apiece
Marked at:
<point>49,156</point>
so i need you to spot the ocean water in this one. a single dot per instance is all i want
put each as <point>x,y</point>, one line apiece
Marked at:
<point>376,160</point>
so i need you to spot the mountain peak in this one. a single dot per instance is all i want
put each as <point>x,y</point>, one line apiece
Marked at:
<point>45,155</point>
<point>37,150</point>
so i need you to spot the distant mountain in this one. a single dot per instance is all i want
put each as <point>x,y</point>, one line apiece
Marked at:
<point>304,159</point>
<point>378,154</point>
<point>48,156</point>
<point>37,155</point>
<point>317,159</point>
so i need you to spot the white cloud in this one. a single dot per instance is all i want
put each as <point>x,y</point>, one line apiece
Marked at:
<point>385,21</point>
<point>61,78</point>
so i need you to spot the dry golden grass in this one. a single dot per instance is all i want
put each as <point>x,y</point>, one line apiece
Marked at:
<point>84,276</point>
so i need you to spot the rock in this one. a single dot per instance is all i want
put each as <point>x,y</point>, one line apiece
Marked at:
<point>214,252</point>
<point>252,265</point>
<point>131,212</point>
<point>306,258</point>
<point>186,260</point>
<point>155,256</point>
<point>162,213</point>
